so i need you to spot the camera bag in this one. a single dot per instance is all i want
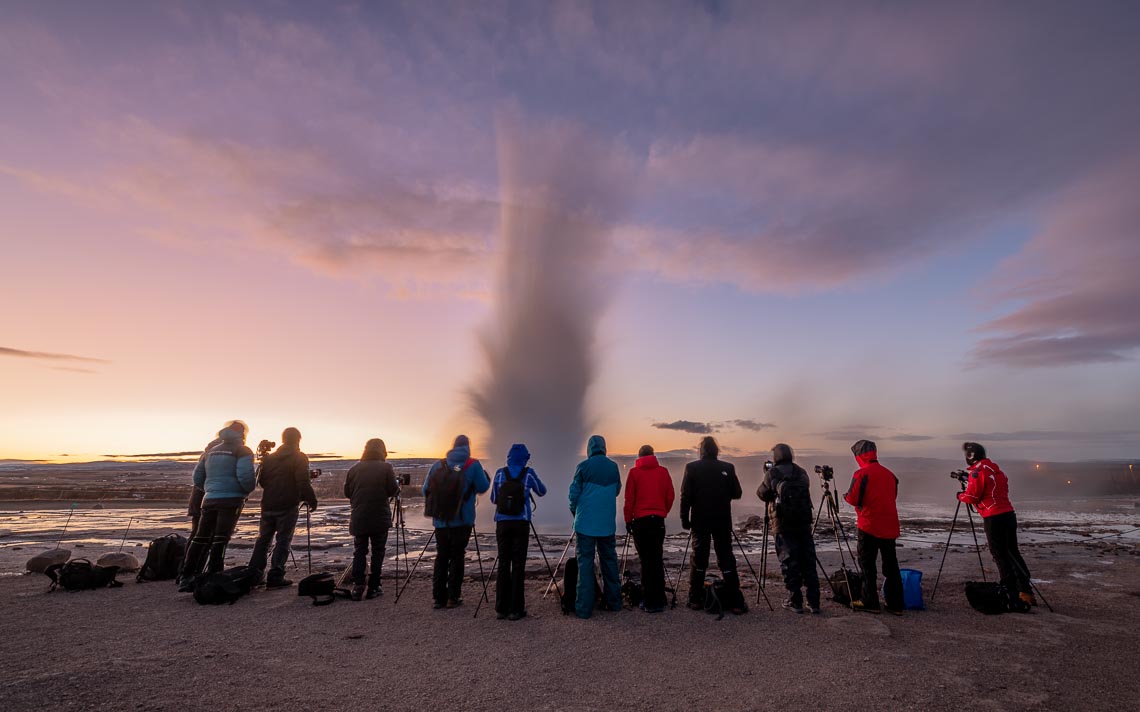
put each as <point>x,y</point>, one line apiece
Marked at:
<point>163,558</point>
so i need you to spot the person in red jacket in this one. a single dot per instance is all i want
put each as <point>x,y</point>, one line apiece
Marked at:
<point>987,489</point>
<point>872,493</point>
<point>648,500</point>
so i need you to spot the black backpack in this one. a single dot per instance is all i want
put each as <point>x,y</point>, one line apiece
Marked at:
<point>839,581</point>
<point>714,596</point>
<point>82,575</point>
<point>446,491</point>
<point>163,558</point>
<point>793,501</point>
<point>224,586</point>
<point>321,588</point>
<point>993,598</point>
<point>511,499</point>
<point>570,588</point>
<point>632,590</point>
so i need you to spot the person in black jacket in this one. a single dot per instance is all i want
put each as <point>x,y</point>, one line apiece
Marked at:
<point>787,488</point>
<point>369,486</point>
<point>707,491</point>
<point>285,483</point>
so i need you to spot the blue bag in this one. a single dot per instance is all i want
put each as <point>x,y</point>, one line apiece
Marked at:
<point>912,590</point>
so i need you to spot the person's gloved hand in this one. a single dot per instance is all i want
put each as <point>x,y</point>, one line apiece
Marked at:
<point>686,524</point>
<point>962,498</point>
<point>629,527</point>
<point>312,505</point>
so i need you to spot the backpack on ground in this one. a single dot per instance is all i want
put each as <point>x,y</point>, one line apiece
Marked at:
<point>993,598</point>
<point>321,588</point>
<point>793,502</point>
<point>570,588</point>
<point>511,498</point>
<point>163,558</point>
<point>82,575</point>
<point>224,586</point>
<point>446,491</point>
<point>839,581</point>
<point>714,590</point>
<point>632,591</point>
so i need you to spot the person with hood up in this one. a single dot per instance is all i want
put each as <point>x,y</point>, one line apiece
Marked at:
<point>369,486</point>
<point>873,492</point>
<point>194,506</point>
<point>987,489</point>
<point>593,502</point>
<point>707,491</point>
<point>449,499</point>
<point>787,490</point>
<point>511,494</point>
<point>285,483</point>
<point>649,498</point>
<point>225,474</point>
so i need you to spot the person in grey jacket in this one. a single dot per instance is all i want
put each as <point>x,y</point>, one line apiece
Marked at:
<point>369,486</point>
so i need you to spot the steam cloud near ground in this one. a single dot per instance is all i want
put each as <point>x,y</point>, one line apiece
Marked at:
<point>562,193</point>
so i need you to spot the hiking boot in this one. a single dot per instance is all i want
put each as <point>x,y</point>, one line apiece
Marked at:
<point>438,605</point>
<point>655,609</point>
<point>516,616</point>
<point>1028,599</point>
<point>793,605</point>
<point>815,610</point>
<point>500,616</point>
<point>738,611</point>
<point>357,593</point>
<point>374,592</point>
<point>858,606</point>
<point>455,603</point>
<point>895,611</point>
<point>278,583</point>
<point>186,586</point>
<point>696,606</point>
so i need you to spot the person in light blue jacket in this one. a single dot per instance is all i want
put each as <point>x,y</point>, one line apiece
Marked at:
<point>452,533</point>
<point>511,494</point>
<point>225,473</point>
<point>593,502</point>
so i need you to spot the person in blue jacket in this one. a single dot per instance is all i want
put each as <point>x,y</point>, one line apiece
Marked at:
<point>452,533</point>
<point>511,493</point>
<point>593,502</point>
<point>225,474</point>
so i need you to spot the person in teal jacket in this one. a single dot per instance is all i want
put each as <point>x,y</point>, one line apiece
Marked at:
<point>225,473</point>
<point>593,502</point>
<point>452,535</point>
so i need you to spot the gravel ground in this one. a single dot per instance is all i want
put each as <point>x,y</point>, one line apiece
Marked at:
<point>145,647</point>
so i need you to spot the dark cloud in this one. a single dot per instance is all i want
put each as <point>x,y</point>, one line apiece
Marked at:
<point>1076,436</point>
<point>47,356</point>
<point>753,425</point>
<point>687,426</point>
<point>909,438</point>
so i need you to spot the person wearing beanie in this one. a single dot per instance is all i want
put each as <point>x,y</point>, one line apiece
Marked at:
<point>873,492</point>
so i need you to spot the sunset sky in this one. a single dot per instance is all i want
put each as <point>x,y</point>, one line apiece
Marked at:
<point>911,223</point>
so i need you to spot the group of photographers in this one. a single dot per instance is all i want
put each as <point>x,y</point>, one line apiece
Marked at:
<point>225,476</point>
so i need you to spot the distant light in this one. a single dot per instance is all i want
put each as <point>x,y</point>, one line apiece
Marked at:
<point>1069,482</point>
<point>1038,466</point>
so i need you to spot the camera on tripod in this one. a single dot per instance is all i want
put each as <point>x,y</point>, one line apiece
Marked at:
<point>826,472</point>
<point>962,476</point>
<point>264,447</point>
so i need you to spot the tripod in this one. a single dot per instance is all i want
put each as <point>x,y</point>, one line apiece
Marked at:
<point>554,576</point>
<point>681,569</point>
<point>829,502</point>
<point>401,532</point>
<point>408,579</point>
<point>759,588</point>
<point>953,523</point>
<point>763,580</point>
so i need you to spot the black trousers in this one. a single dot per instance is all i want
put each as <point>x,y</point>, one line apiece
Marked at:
<point>869,548</point>
<point>1001,536</point>
<point>273,526</point>
<point>215,528</point>
<point>512,538</point>
<point>450,556</point>
<point>360,544</point>
<point>721,540</point>
<point>796,552</point>
<point>649,540</point>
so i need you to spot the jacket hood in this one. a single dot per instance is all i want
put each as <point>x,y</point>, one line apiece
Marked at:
<point>458,457</point>
<point>865,452</point>
<point>649,461</point>
<point>782,454</point>
<point>518,455</point>
<point>596,446</point>
<point>231,435</point>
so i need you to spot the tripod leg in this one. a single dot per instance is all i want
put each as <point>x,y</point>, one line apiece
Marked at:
<point>977,547</point>
<point>553,579</point>
<point>818,512</point>
<point>753,571</point>
<point>945,551</point>
<point>681,568</point>
<point>1033,586</point>
<point>479,556</point>
<point>400,591</point>
<point>558,566</point>
<point>308,538</point>
<point>484,596</point>
<point>624,549</point>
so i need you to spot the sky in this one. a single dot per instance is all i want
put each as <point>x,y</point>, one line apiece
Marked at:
<point>905,221</point>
